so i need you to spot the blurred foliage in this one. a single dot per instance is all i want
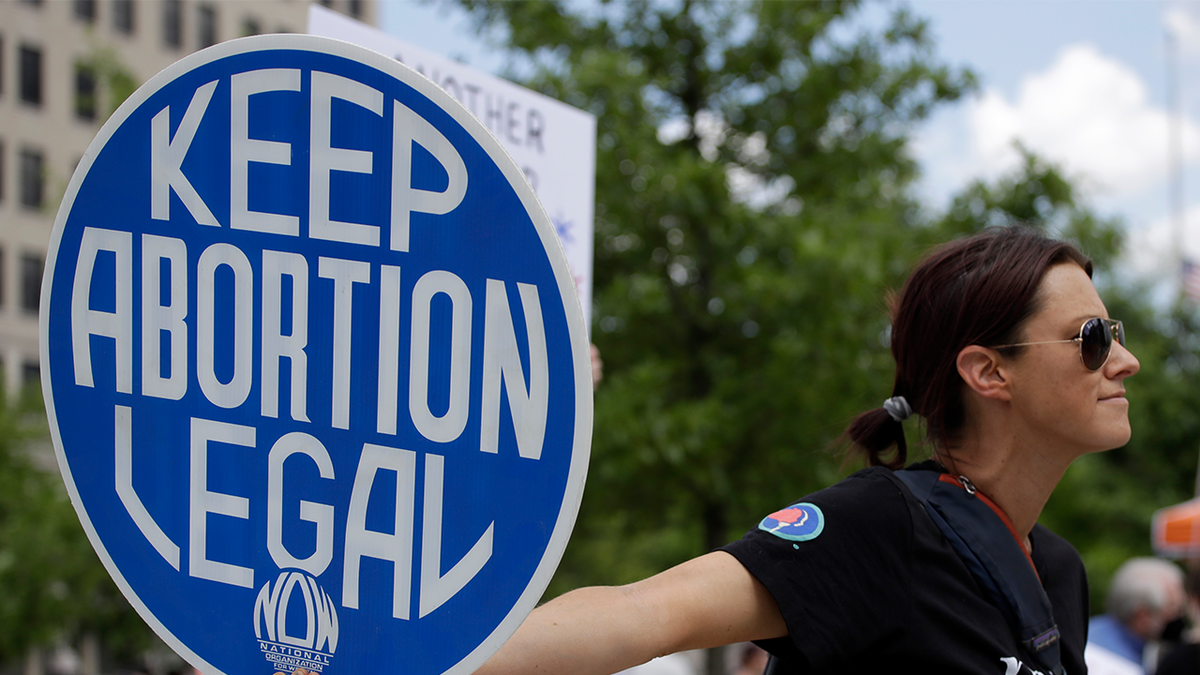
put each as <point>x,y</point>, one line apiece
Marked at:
<point>116,81</point>
<point>52,586</point>
<point>1037,194</point>
<point>753,211</point>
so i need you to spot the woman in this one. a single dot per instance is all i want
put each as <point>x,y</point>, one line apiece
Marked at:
<point>1003,346</point>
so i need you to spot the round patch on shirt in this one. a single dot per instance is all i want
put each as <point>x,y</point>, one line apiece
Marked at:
<point>798,522</point>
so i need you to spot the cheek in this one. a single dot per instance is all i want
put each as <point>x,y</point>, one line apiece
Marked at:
<point>1050,386</point>
<point>1058,398</point>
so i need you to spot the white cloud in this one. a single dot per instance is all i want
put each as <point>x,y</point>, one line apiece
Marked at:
<point>940,148</point>
<point>1087,112</point>
<point>1185,27</point>
<point>1096,117</point>
<point>1153,253</point>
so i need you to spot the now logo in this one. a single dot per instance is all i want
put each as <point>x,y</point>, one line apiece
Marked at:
<point>273,613</point>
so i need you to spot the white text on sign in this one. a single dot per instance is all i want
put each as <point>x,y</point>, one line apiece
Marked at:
<point>501,365</point>
<point>168,153</point>
<point>176,346</point>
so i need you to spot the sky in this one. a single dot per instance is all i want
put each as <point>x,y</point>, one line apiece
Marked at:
<point>1084,84</point>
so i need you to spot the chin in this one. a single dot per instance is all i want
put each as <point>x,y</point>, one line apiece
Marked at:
<point>1118,440</point>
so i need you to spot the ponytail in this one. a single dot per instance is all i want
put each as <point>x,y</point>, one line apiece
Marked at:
<point>875,431</point>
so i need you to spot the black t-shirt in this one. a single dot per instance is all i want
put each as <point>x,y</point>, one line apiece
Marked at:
<point>867,584</point>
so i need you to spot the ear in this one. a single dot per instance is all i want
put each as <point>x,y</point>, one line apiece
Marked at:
<point>984,372</point>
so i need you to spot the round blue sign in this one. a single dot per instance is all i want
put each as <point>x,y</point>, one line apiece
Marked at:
<point>315,370</point>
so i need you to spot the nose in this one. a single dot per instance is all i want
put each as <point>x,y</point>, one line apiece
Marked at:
<point>1121,362</point>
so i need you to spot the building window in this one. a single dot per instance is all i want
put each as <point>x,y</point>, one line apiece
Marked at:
<point>2,174</point>
<point>122,14</point>
<point>206,26</point>
<point>85,92</point>
<point>31,179</point>
<point>172,23</point>
<point>356,8</point>
<point>31,75</point>
<point>85,10</point>
<point>31,373</point>
<point>31,282</point>
<point>251,26</point>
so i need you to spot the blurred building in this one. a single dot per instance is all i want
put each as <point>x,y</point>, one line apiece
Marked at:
<point>65,65</point>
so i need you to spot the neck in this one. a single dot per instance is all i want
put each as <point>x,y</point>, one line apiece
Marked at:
<point>1020,483</point>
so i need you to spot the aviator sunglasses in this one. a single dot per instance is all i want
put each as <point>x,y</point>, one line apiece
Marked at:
<point>1095,341</point>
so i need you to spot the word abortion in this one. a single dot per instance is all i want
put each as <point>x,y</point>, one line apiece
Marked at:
<point>167,378</point>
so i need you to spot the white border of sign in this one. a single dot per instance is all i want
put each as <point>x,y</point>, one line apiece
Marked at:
<point>577,473</point>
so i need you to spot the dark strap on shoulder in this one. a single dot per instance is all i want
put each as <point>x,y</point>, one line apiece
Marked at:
<point>996,560</point>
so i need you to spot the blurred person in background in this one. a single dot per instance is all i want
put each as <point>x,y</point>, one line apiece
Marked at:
<point>1185,659</point>
<point>1144,608</point>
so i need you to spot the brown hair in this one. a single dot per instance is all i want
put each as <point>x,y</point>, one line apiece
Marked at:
<point>975,290</point>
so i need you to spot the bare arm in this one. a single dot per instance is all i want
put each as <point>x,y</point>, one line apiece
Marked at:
<point>709,601</point>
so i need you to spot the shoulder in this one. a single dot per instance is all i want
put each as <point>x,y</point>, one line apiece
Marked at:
<point>861,525</point>
<point>1103,628</point>
<point>838,563</point>
<point>1058,564</point>
<point>864,499</point>
<point>865,490</point>
<point>869,503</point>
<point>1053,549</point>
<point>863,514</point>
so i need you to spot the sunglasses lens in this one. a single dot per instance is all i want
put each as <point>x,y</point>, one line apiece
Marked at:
<point>1095,341</point>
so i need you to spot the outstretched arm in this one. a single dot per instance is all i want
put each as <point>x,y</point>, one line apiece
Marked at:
<point>709,601</point>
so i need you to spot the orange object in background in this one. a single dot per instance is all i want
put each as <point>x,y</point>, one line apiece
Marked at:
<point>1175,530</point>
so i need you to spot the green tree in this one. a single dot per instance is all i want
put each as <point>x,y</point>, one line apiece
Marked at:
<point>751,210</point>
<point>52,586</point>
<point>116,81</point>
<point>753,207</point>
<point>1037,194</point>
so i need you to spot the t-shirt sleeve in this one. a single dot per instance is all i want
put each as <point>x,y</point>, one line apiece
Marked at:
<point>838,563</point>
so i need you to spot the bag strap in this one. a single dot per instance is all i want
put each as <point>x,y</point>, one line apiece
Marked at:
<point>989,549</point>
